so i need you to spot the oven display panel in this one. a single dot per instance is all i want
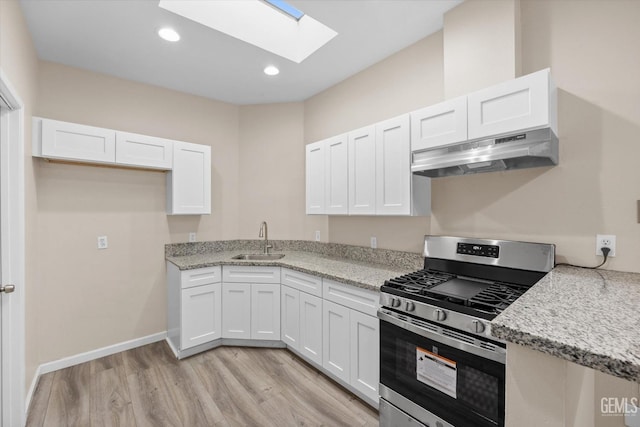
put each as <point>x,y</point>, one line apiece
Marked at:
<point>489,251</point>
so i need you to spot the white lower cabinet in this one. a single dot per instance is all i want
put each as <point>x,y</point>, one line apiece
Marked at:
<point>251,310</point>
<point>335,340</point>
<point>194,303</point>
<point>265,312</point>
<point>311,327</point>
<point>201,308</point>
<point>365,353</point>
<point>236,314</point>
<point>290,317</point>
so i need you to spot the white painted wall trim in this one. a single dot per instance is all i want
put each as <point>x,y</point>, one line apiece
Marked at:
<point>13,260</point>
<point>77,359</point>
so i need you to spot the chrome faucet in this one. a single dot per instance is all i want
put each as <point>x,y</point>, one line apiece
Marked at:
<point>264,233</point>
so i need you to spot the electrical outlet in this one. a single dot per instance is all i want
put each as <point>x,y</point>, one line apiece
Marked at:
<point>192,237</point>
<point>374,242</point>
<point>102,242</point>
<point>606,241</point>
<point>317,235</point>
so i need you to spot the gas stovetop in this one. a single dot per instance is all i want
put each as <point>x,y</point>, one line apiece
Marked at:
<point>473,294</point>
<point>474,277</point>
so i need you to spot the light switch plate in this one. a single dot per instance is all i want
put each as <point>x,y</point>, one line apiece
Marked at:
<point>103,242</point>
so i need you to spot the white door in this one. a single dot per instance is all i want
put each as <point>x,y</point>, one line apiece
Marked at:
<point>290,317</point>
<point>265,311</point>
<point>311,327</point>
<point>365,354</point>
<point>236,311</point>
<point>362,171</point>
<point>393,167</point>
<point>12,371</point>
<point>335,339</point>
<point>336,176</point>
<point>201,315</point>
<point>315,178</point>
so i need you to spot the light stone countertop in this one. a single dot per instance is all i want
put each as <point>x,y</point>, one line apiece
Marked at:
<point>589,317</point>
<point>351,272</point>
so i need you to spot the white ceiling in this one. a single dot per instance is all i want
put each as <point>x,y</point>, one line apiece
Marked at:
<point>119,38</point>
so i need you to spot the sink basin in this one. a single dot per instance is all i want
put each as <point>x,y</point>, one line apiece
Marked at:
<point>258,257</point>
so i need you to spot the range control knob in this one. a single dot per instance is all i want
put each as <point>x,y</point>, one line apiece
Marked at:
<point>395,302</point>
<point>478,327</point>
<point>439,315</point>
<point>409,306</point>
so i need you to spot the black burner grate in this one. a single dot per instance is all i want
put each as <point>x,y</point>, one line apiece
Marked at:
<point>497,297</point>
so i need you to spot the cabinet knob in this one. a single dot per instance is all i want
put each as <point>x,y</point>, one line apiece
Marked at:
<point>7,289</point>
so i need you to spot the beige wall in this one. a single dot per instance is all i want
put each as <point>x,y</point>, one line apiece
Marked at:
<point>272,173</point>
<point>19,62</point>
<point>481,45</point>
<point>87,298</point>
<point>408,80</point>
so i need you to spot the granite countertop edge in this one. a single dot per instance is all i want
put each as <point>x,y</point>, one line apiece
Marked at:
<point>604,363</point>
<point>352,267</point>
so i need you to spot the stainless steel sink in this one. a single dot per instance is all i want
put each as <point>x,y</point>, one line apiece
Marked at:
<point>258,257</point>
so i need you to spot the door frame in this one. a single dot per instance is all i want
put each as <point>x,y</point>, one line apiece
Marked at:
<point>12,235</point>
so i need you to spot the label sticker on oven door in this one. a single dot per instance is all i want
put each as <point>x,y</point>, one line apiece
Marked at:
<point>436,371</point>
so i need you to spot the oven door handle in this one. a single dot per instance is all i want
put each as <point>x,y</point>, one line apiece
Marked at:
<point>499,355</point>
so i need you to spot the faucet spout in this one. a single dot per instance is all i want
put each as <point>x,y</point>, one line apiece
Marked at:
<point>265,233</point>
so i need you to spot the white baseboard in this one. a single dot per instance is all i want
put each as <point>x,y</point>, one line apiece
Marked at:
<point>77,359</point>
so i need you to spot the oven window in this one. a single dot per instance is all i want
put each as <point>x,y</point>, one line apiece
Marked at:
<point>469,392</point>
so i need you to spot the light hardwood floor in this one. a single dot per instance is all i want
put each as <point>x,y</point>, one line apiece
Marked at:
<point>227,386</point>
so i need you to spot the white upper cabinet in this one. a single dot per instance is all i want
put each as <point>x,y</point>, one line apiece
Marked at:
<point>393,167</point>
<point>336,175</point>
<point>189,182</point>
<point>54,139</point>
<point>144,151</point>
<point>525,103</point>
<point>362,171</point>
<point>438,125</point>
<point>315,178</point>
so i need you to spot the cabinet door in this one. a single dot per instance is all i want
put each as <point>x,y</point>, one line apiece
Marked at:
<point>511,106</point>
<point>365,354</point>
<point>362,171</point>
<point>201,315</point>
<point>336,175</point>
<point>335,340</point>
<point>290,316</point>
<point>189,182</point>
<point>265,312</point>
<point>236,314</point>
<point>311,327</point>
<point>71,141</point>
<point>144,151</point>
<point>393,167</point>
<point>438,125</point>
<point>315,179</point>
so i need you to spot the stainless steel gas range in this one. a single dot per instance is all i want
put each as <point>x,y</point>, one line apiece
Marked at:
<point>439,365</point>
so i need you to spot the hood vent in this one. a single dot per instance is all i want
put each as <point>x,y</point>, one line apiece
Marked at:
<point>518,151</point>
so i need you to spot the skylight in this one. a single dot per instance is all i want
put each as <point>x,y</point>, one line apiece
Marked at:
<point>285,7</point>
<point>258,23</point>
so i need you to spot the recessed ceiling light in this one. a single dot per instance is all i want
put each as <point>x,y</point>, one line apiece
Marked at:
<point>271,70</point>
<point>169,34</point>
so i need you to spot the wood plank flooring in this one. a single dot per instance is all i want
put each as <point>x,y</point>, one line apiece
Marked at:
<point>227,386</point>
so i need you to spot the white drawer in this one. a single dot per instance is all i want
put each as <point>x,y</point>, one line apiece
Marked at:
<point>302,281</point>
<point>200,276</point>
<point>363,300</point>
<point>250,274</point>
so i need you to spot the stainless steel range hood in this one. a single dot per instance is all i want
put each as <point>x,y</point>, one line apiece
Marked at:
<point>517,151</point>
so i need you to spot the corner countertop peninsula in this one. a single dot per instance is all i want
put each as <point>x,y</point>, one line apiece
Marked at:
<point>589,317</point>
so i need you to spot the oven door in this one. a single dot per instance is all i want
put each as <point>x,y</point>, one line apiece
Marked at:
<point>431,372</point>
